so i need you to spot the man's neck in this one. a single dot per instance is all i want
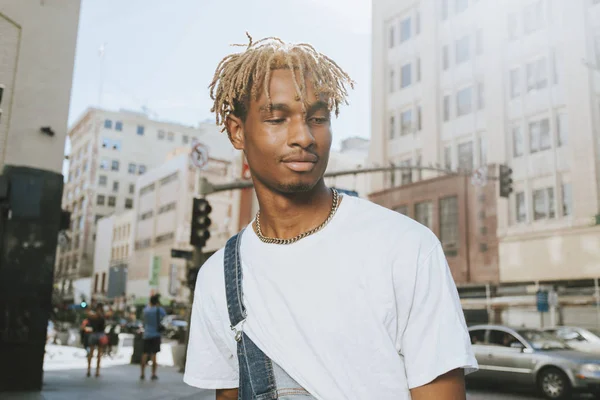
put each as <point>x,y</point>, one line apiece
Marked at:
<point>285,216</point>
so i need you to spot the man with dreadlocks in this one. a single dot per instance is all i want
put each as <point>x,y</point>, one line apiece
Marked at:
<point>321,296</point>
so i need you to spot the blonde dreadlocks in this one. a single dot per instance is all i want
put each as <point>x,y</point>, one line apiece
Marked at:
<point>240,77</point>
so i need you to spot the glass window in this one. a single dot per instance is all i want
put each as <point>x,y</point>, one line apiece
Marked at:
<point>406,174</point>
<point>482,150</point>
<point>405,76</point>
<point>448,157</point>
<point>543,203</point>
<point>567,199</point>
<point>160,134</point>
<point>128,203</point>
<point>446,108</point>
<point>424,213</point>
<point>392,36</point>
<point>537,77</point>
<point>392,80</point>
<point>515,84</point>
<point>118,126</point>
<point>106,143</point>
<point>418,68</point>
<point>131,188</point>
<point>533,18</point>
<point>480,96</point>
<point>112,201</point>
<point>142,169</point>
<point>449,222</point>
<point>115,186</point>
<point>406,122</point>
<point>419,119</point>
<point>462,50</point>
<point>107,124</point>
<point>465,156</point>
<point>405,30</point>
<point>563,129</point>
<point>402,210</point>
<point>464,102</point>
<point>104,163</point>
<point>513,26</point>
<point>185,139</point>
<point>539,135</point>
<point>392,127</point>
<point>140,130</point>
<point>102,180</point>
<point>114,166</point>
<point>444,10</point>
<point>116,145</point>
<point>445,57</point>
<point>170,136</point>
<point>131,168</point>
<point>100,199</point>
<point>461,5</point>
<point>521,211</point>
<point>518,142</point>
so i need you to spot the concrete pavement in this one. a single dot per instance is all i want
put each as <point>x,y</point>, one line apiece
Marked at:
<point>116,382</point>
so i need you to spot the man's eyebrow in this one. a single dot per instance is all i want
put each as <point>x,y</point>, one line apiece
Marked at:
<point>274,107</point>
<point>317,106</point>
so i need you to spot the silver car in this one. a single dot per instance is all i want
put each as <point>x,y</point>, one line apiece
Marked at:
<point>533,357</point>
<point>581,339</point>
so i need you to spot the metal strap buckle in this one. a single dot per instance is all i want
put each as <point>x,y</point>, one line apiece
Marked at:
<point>238,331</point>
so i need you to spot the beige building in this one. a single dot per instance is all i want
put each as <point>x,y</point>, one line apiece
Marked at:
<point>109,151</point>
<point>464,83</point>
<point>352,155</point>
<point>37,49</point>
<point>114,247</point>
<point>162,222</point>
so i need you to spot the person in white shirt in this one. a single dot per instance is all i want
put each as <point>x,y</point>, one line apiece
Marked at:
<point>322,296</point>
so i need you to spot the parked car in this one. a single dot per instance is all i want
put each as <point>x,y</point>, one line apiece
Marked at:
<point>533,357</point>
<point>581,339</point>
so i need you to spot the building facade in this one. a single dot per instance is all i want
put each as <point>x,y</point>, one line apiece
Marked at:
<point>109,151</point>
<point>461,84</point>
<point>162,222</point>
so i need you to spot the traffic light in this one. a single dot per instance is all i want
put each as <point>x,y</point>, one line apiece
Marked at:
<point>200,223</point>
<point>83,304</point>
<point>506,181</point>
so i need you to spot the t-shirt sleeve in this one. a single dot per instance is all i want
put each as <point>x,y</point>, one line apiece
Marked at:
<point>210,363</point>
<point>435,339</point>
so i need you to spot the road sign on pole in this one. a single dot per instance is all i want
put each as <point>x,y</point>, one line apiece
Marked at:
<point>199,155</point>
<point>542,301</point>
<point>185,254</point>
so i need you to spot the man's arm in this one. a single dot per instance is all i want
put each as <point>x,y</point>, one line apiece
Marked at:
<point>227,394</point>
<point>450,386</point>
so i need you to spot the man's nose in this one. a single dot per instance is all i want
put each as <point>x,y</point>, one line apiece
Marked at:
<point>300,134</point>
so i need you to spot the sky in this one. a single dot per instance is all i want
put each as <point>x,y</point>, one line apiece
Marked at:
<point>162,54</point>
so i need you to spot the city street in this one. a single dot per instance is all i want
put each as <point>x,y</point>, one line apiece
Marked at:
<point>122,382</point>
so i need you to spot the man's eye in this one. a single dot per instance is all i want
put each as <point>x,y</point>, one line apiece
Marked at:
<point>319,120</point>
<point>276,121</point>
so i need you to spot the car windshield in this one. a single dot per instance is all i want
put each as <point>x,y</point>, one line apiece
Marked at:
<point>543,340</point>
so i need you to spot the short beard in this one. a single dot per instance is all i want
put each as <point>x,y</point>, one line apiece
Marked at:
<point>295,188</point>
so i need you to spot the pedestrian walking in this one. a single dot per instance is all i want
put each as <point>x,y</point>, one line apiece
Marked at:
<point>322,296</point>
<point>153,315</point>
<point>97,339</point>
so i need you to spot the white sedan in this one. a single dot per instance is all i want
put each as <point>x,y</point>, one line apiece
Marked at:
<point>581,339</point>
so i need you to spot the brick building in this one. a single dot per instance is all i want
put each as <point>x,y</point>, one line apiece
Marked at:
<point>463,217</point>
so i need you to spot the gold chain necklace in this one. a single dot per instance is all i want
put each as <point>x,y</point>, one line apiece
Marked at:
<point>334,206</point>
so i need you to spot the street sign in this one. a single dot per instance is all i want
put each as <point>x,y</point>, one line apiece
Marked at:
<point>542,301</point>
<point>479,177</point>
<point>185,254</point>
<point>199,155</point>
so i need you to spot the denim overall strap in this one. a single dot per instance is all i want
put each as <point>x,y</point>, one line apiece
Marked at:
<point>233,281</point>
<point>256,371</point>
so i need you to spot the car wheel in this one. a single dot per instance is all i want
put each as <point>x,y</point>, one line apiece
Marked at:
<point>554,384</point>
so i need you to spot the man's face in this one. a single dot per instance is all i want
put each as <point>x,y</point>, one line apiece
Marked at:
<point>287,147</point>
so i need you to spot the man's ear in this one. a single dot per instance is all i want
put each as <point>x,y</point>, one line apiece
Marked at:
<point>235,131</point>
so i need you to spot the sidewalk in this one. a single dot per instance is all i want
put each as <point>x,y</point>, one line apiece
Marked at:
<point>116,382</point>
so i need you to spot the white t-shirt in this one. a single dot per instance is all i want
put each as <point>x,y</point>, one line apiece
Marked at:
<point>364,309</point>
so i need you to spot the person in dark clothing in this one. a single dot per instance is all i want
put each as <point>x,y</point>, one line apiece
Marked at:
<point>96,338</point>
<point>153,315</point>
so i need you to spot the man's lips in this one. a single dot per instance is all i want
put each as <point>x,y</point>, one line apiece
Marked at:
<point>300,162</point>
